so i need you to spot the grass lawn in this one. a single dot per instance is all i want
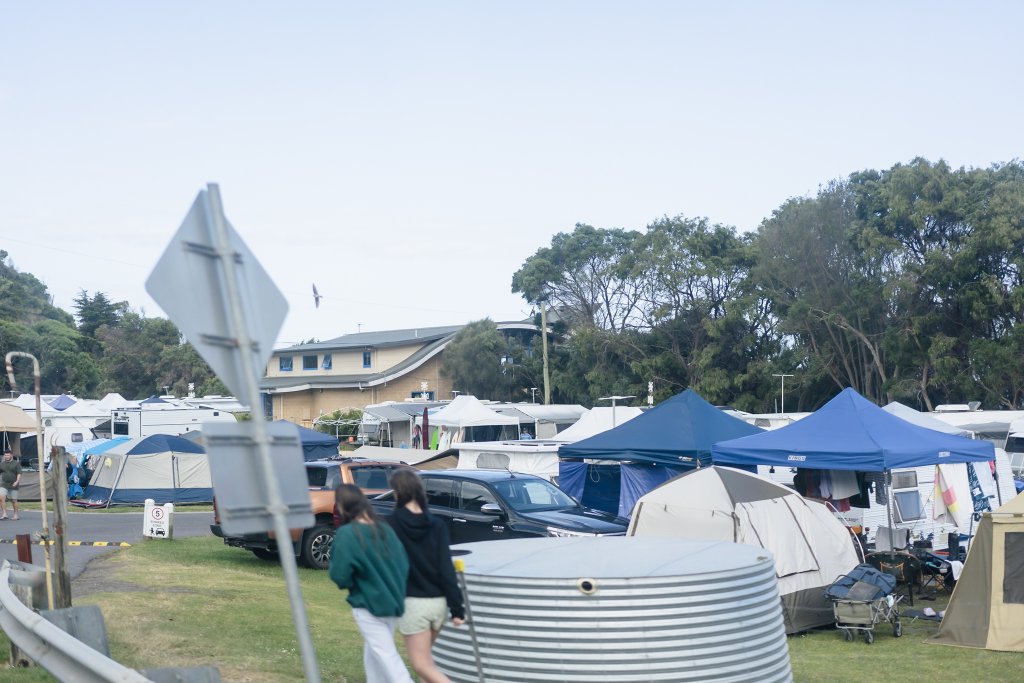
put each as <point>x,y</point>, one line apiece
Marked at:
<point>194,601</point>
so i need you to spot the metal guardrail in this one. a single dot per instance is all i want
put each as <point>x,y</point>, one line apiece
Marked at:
<point>60,653</point>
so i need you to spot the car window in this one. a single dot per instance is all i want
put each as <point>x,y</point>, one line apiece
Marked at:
<point>474,496</point>
<point>532,494</point>
<point>439,491</point>
<point>370,477</point>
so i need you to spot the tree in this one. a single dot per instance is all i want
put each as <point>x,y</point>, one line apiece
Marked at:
<point>93,313</point>
<point>473,360</point>
<point>586,275</point>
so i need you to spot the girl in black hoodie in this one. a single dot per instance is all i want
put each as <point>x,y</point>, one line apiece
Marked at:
<point>432,590</point>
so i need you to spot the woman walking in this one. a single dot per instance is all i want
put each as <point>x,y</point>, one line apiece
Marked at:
<point>432,590</point>
<point>367,559</point>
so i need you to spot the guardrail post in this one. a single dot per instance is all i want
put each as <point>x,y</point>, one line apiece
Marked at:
<point>84,623</point>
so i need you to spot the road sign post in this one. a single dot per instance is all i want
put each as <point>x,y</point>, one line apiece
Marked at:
<point>234,331</point>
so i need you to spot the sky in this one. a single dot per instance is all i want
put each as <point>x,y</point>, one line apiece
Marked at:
<point>408,157</point>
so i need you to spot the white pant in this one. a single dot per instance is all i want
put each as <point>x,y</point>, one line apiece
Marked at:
<point>381,660</point>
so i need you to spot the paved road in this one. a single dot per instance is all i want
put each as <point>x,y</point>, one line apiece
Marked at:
<point>92,526</point>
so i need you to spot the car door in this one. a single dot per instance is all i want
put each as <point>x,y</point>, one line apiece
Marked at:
<point>470,524</point>
<point>443,504</point>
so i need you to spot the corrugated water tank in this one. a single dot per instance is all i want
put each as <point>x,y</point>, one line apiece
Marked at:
<point>616,609</point>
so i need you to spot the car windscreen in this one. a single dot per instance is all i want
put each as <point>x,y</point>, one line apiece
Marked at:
<point>527,494</point>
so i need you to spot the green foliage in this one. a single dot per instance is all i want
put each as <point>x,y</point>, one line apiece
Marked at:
<point>472,359</point>
<point>340,422</point>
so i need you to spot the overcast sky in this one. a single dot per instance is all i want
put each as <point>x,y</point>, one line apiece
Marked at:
<point>408,157</point>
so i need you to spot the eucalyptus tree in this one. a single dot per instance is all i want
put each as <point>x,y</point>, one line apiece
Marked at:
<point>585,274</point>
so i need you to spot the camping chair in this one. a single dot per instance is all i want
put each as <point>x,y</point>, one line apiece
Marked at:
<point>903,566</point>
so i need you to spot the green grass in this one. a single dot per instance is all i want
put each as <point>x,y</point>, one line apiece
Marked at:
<point>194,602</point>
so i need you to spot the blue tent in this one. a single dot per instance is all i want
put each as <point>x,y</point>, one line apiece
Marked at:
<point>851,433</point>
<point>168,469</point>
<point>62,402</point>
<point>660,444</point>
<point>315,445</point>
<point>678,432</point>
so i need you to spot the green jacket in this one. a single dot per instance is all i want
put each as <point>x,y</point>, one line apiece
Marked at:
<point>371,563</point>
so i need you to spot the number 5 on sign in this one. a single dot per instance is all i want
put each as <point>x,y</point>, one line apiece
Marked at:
<point>156,521</point>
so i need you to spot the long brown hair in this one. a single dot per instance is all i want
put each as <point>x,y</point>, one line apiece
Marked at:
<point>352,504</point>
<point>408,487</point>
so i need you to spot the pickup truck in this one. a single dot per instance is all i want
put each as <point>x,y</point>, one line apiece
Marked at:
<point>312,546</point>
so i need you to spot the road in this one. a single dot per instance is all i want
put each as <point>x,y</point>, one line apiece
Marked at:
<point>91,527</point>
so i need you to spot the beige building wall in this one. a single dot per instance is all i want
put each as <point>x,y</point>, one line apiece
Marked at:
<point>302,407</point>
<point>346,362</point>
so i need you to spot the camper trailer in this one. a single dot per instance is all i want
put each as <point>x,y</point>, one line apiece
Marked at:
<point>173,420</point>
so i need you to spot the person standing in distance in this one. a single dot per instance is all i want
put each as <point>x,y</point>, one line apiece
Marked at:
<point>432,590</point>
<point>368,559</point>
<point>10,478</point>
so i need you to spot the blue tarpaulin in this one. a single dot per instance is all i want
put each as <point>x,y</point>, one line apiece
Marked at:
<point>851,433</point>
<point>315,445</point>
<point>677,432</point>
<point>62,402</point>
<point>637,480</point>
<point>594,486</point>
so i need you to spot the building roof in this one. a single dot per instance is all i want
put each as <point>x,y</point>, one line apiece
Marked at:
<point>377,339</point>
<point>435,339</point>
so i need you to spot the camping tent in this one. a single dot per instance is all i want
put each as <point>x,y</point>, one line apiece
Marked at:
<point>467,419</point>
<point>315,445</point>
<point>810,546</point>
<point>851,433</point>
<point>987,607</point>
<point>676,432</point>
<point>923,419</point>
<point>659,444</point>
<point>597,420</point>
<point>167,469</point>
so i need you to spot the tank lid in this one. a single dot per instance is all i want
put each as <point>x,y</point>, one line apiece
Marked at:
<point>614,557</point>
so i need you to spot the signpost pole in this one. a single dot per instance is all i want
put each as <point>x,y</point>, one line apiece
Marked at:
<point>276,508</point>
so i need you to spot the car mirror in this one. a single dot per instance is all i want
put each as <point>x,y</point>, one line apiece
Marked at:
<point>491,509</point>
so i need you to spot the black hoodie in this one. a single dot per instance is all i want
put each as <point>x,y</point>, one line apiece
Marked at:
<point>431,574</point>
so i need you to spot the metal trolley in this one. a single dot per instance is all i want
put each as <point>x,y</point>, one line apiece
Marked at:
<point>862,599</point>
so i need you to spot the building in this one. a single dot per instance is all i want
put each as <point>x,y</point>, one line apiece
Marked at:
<point>305,381</point>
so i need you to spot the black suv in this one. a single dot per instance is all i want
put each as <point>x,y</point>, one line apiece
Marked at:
<point>484,505</point>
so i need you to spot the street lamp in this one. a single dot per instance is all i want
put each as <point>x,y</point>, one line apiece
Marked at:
<point>533,394</point>
<point>613,399</point>
<point>783,377</point>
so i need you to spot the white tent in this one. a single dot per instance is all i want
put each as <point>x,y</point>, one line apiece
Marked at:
<point>923,419</point>
<point>467,419</point>
<point>468,411</point>
<point>810,546</point>
<point>597,420</point>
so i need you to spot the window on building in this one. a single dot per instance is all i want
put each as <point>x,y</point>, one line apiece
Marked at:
<point>328,362</point>
<point>309,362</point>
<point>367,359</point>
<point>284,363</point>
<point>424,395</point>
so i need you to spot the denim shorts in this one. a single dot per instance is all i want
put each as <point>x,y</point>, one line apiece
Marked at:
<point>423,614</point>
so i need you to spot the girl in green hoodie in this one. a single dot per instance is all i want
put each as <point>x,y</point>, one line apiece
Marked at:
<point>368,559</point>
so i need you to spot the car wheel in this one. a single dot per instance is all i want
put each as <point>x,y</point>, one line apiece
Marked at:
<point>264,554</point>
<point>316,547</point>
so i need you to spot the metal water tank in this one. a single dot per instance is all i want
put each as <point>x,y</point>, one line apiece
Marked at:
<point>616,609</point>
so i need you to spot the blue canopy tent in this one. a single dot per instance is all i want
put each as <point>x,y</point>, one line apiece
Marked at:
<point>672,437</point>
<point>851,433</point>
<point>315,445</point>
